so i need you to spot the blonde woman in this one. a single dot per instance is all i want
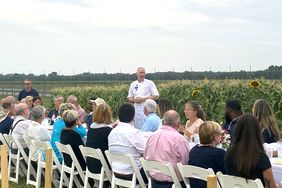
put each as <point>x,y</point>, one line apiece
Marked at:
<point>69,136</point>
<point>59,125</point>
<point>206,154</point>
<point>195,115</point>
<point>267,122</point>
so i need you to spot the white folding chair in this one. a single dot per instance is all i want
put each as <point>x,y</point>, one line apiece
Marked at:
<point>27,140</point>
<point>158,167</point>
<point>41,147</point>
<point>189,171</point>
<point>127,160</point>
<point>74,170</point>
<point>105,173</point>
<point>227,181</point>
<point>19,158</point>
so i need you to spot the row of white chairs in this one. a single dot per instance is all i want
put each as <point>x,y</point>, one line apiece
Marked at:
<point>80,178</point>
<point>186,171</point>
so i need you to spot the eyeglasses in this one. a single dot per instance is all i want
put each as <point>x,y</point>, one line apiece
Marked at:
<point>26,83</point>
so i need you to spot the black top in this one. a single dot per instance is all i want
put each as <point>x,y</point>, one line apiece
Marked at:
<point>206,157</point>
<point>262,165</point>
<point>97,138</point>
<point>230,127</point>
<point>23,93</point>
<point>74,140</point>
<point>88,119</point>
<point>268,136</point>
<point>5,125</point>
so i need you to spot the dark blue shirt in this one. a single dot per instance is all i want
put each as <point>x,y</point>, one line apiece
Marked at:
<point>268,136</point>
<point>5,125</point>
<point>230,126</point>
<point>23,94</point>
<point>206,157</point>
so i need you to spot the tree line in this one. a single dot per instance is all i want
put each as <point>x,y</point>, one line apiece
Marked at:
<point>272,72</point>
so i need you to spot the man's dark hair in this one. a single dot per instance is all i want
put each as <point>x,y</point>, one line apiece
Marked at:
<point>234,105</point>
<point>126,112</point>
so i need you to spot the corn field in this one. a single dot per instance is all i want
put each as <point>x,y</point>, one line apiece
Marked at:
<point>211,94</point>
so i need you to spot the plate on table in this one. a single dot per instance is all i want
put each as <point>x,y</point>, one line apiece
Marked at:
<point>277,161</point>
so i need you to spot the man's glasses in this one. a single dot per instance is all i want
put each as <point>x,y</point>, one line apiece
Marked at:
<point>26,83</point>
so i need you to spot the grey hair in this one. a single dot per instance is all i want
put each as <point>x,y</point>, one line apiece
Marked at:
<point>171,118</point>
<point>37,112</point>
<point>150,105</point>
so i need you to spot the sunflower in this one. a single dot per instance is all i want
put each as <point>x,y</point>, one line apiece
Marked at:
<point>254,84</point>
<point>195,92</point>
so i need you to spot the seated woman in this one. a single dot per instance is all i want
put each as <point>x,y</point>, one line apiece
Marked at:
<point>59,125</point>
<point>36,129</point>
<point>97,135</point>
<point>36,101</point>
<point>246,156</point>
<point>267,122</point>
<point>206,154</point>
<point>69,136</point>
<point>195,115</point>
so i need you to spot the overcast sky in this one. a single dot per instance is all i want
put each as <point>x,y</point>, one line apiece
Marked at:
<point>75,36</point>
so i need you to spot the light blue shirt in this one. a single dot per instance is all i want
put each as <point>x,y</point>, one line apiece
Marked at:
<point>151,123</point>
<point>58,126</point>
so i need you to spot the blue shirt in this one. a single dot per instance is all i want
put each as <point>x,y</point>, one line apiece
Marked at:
<point>5,125</point>
<point>151,123</point>
<point>58,126</point>
<point>23,93</point>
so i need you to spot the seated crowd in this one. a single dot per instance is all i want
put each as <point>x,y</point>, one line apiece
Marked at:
<point>162,137</point>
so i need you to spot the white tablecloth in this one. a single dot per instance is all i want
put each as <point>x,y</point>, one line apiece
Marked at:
<point>277,170</point>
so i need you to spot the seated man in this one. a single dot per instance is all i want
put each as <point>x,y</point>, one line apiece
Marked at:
<point>7,112</point>
<point>125,139</point>
<point>167,146</point>
<point>81,112</point>
<point>21,123</point>
<point>54,113</point>
<point>152,120</point>
<point>232,112</point>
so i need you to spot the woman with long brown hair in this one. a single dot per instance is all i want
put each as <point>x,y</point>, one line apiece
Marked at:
<point>267,121</point>
<point>246,156</point>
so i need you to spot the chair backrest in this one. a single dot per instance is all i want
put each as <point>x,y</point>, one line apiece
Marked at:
<point>189,171</point>
<point>127,160</point>
<point>97,154</point>
<point>67,149</point>
<point>43,146</point>
<point>227,181</point>
<point>27,140</point>
<point>11,139</point>
<point>158,167</point>
<point>3,140</point>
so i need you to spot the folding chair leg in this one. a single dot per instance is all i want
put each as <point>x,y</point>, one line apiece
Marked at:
<point>61,178</point>
<point>38,176</point>
<point>86,179</point>
<point>71,180</point>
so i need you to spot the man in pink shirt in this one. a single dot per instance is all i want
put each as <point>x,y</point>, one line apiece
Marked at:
<point>167,146</point>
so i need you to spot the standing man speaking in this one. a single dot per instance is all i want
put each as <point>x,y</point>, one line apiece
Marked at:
<point>140,90</point>
<point>27,91</point>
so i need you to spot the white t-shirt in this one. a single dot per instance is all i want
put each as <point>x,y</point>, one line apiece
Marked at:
<point>125,139</point>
